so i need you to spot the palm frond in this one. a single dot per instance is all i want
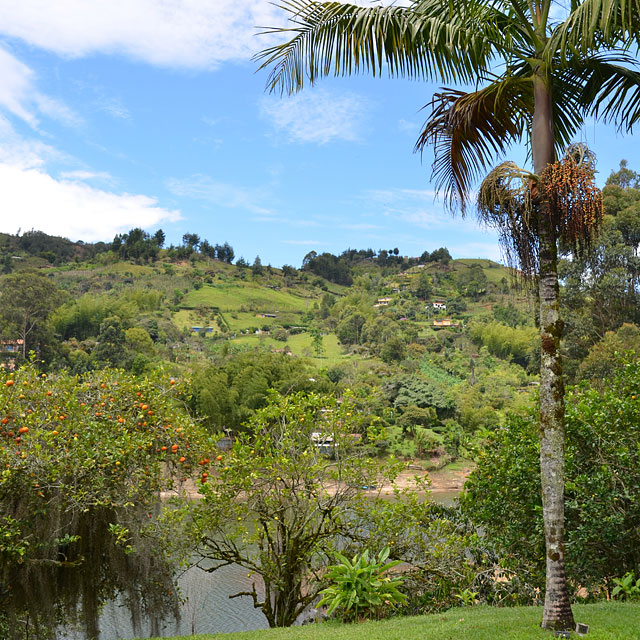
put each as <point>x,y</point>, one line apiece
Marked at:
<point>612,91</point>
<point>467,131</point>
<point>428,39</point>
<point>594,23</point>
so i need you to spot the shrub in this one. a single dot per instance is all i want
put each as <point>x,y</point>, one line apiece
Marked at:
<point>362,588</point>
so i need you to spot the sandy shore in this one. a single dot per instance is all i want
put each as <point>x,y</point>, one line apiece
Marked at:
<point>445,481</point>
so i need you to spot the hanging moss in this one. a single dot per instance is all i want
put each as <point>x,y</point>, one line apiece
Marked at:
<point>79,565</point>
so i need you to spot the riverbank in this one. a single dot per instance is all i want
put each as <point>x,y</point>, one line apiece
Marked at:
<point>606,620</point>
<point>448,481</point>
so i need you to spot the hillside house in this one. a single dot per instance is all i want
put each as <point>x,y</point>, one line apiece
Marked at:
<point>202,329</point>
<point>383,302</point>
<point>439,305</point>
<point>445,323</point>
<point>9,349</point>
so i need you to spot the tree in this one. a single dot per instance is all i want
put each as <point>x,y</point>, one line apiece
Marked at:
<point>423,288</point>
<point>603,476</point>
<point>553,74</point>
<point>281,501</point>
<point>26,301</point>
<point>159,238</point>
<point>191,241</point>
<point>624,177</point>
<point>256,267</point>
<point>83,463</point>
<point>317,341</point>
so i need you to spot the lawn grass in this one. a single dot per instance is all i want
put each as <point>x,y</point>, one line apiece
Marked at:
<point>607,621</point>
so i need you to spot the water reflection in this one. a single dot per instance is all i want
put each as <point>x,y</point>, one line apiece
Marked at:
<point>207,609</point>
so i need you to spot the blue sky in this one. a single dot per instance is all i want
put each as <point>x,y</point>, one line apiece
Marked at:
<point>124,113</point>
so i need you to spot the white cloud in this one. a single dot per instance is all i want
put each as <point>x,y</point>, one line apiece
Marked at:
<point>35,200</point>
<point>490,250</point>
<point>174,33</point>
<point>26,154</point>
<point>19,95</point>
<point>115,108</point>
<point>32,198</point>
<point>201,187</point>
<point>82,174</point>
<point>362,226</point>
<point>317,115</point>
<point>419,208</point>
<point>406,126</point>
<point>16,87</point>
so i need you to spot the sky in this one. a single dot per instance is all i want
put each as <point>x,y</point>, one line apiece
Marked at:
<point>151,113</point>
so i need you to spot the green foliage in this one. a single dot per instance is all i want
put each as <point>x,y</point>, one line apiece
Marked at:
<point>393,350</point>
<point>425,391</point>
<point>83,462</point>
<point>423,286</point>
<point>227,394</point>
<point>627,587</point>
<point>506,342</point>
<point>278,505</point>
<point>137,245</point>
<point>361,587</point>
<point>602,478</point>
<point>467,597</point>
<point>27,299</point>
<point>603,358</point>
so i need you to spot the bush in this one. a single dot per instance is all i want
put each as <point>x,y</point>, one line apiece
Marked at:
<point>602,482</point>
<point>362,588</point>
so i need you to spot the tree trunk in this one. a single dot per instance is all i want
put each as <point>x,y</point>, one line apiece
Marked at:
<point>557,613</point>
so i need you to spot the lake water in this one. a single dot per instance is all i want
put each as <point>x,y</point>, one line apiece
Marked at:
<point>208,608</point>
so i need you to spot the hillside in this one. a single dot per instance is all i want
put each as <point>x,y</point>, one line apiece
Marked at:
<point>443,348</point>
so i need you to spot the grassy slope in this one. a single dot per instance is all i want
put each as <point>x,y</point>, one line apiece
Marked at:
<point>607,621</point>
<point>230,297</point>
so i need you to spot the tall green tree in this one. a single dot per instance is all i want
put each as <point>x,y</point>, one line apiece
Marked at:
<point>26,301</point>
<point>538,77</point>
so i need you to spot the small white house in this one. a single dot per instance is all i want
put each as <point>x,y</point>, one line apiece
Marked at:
<point>439,305</point>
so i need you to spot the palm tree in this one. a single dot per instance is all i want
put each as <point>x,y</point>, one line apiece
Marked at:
<point>538,77</point>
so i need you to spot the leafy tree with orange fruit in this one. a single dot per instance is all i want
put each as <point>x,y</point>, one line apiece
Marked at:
<point>82,464</point>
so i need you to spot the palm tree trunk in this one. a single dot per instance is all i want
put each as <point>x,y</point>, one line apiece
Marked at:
<point>557,613</point>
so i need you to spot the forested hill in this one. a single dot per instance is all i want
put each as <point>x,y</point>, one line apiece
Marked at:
<point>439,350</point>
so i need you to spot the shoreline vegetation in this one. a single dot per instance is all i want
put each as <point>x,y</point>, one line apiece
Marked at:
<point>606,620</point>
